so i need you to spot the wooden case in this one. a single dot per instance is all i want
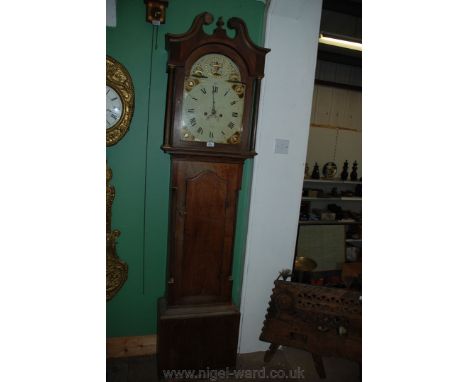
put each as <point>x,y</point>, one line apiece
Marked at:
<point>197,337</point>
<point>199,326</point>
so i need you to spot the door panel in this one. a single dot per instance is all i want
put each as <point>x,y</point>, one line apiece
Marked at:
<point>203,221</point>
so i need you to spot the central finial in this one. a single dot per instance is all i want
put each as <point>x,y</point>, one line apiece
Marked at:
<point>220,23</point>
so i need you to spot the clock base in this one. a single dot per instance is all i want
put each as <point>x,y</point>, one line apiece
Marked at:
<point>197,337</point>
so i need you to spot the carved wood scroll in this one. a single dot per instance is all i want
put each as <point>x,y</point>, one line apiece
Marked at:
<point>116,269</point>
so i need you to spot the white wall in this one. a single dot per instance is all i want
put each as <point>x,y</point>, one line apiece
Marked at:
<point>292,29</point>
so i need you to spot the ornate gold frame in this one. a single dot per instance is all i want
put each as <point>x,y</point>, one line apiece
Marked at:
<point>116,269</point>
<point>119,79</point>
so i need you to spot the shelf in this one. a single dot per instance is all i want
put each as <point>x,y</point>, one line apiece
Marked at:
<point>342,198</point>
<point>354,240</point>
<point>328,222</point>
<point>331,181</point>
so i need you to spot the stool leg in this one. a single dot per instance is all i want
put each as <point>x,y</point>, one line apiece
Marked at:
<point>319,368</point>
<point>270,353</point>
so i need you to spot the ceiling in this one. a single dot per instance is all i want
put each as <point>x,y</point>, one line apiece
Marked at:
<point>350,7</point>
<point>341,17</point>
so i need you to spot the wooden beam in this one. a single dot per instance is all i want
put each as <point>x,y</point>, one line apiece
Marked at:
<point>118,347</point>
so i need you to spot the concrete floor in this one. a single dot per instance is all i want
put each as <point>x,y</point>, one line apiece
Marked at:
<point>285,363</point>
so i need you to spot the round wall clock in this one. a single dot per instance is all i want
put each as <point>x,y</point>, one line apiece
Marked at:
<point>120,100</point>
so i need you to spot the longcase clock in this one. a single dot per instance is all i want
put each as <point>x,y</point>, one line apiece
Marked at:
<point>210,124</point>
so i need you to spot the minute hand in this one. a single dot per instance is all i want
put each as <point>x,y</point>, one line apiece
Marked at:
<point>213,110</point>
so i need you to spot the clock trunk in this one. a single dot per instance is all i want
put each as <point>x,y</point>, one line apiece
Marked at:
<point>203,216</point>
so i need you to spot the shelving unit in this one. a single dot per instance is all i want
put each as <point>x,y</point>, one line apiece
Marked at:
<point>342,198</point>
<point>354,240</point>
<point>328,222</point>
<point>327,185</point>
<point>322,202</point>
<point>331,181</point>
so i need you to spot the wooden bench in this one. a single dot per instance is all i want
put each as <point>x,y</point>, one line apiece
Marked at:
<point>321,320</point>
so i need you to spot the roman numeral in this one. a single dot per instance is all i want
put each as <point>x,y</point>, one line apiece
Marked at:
<point>191,110</point>
<point>226,92</point>
<point>211,134</point>
<point>114,116</point>
<point>231,125</point>
<point>233,102</point>
<point>196,99</point>
<point>193,121</point>
<point>113,99</point>
<point>203,90</point>
<point>234,114</point>
<point>200,130</point>
<point>215,89</point>
<point>222,132</point>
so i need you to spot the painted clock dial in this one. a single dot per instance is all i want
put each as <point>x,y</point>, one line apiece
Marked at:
<point>120,101</point>
<point>114,107</point>
<point>213,101</point>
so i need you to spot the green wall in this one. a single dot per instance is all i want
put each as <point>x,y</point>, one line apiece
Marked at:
<point>141,169</point>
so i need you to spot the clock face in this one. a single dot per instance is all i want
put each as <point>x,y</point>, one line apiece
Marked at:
<point>114,107</point>
<point>213,101</point>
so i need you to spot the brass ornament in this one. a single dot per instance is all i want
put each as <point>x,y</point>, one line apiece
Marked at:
<point>216,67</point>
<point>239,90</point>
<point>116,269</point>
<point>304,264</point>
<point>188,136</point>
<point>234,139</point>
<point>234,77</point>
<point>118,78</point>
<point>190,84</point>
<point>198,72</point>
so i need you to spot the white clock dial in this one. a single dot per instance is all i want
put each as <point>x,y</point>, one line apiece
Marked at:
<point>213,102</point>
<point>113,107</point>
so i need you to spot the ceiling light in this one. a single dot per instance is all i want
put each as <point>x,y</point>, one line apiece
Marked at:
<point>339,42</point>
